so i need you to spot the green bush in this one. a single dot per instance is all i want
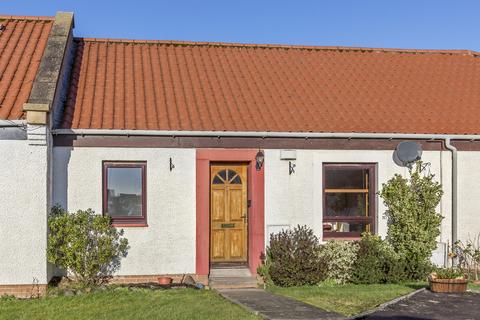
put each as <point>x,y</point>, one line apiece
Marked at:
<point>448,273</point>
<point>377,262</point>
<point>339,258</point>
<point>85,244</point>
<point>293,258</point>
<point>413,223</point>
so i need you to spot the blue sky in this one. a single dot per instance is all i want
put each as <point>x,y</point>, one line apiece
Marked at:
<point>441,24</point>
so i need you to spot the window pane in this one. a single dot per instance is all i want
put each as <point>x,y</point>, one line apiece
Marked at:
<point>231,174</point>
<point>223,175</point>
<point>346,204</point>
<point>124,191</point>
<point>236,180</point>
<point>350,178</point>
<point>217,180</point>
<point>346,226</point>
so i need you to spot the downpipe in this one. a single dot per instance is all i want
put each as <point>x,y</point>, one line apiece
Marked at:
<point>454,150</point>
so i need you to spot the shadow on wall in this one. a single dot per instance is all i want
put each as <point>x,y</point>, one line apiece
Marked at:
<point>61,161</point>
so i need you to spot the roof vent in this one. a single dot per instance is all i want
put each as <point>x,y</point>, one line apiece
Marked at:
<point>2,27</point>
<point>406,153</point>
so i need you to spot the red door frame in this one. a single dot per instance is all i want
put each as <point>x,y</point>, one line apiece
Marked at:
<point>256,220</point>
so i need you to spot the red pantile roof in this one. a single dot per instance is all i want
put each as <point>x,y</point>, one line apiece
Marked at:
<point>22,43</point>
<point>163,85</point>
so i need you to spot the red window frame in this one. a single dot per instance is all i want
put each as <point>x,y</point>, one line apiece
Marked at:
<point>371,167</point>
<point>140,221</point>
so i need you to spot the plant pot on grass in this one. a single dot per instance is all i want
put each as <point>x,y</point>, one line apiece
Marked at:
<point>164,281</point>
<point>449,280</point>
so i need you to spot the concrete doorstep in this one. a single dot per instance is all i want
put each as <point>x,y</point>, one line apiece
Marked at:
<point>270,306</point>
<point>231,278</point>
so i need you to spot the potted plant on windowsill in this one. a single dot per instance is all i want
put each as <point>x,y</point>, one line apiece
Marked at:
<point>448,280</point>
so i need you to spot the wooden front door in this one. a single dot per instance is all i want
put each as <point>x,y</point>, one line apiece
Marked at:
<point>228,213</point>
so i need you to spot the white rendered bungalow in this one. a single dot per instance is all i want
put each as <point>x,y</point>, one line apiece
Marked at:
<point>200,150</point>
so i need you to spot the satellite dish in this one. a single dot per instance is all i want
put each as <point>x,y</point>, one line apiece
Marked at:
<point>407,152</point>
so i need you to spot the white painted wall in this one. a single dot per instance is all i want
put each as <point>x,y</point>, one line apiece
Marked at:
<point>23,207</point>
<point>167,245</point>
<point>468,195</point>
<point>297,198</point>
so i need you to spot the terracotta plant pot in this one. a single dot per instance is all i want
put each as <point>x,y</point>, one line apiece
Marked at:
<point>448,285</point>
<point>165,280</point>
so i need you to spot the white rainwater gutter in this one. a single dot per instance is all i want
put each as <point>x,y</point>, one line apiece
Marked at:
<point>446,138</point>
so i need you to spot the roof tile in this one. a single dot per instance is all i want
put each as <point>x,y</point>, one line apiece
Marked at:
<point>172,85</point>
<point>22,43</point>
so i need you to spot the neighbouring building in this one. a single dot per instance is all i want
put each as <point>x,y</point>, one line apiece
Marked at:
<point>200,150</point>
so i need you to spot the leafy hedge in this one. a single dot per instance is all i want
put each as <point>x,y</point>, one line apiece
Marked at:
<point>339,258</point>
<point>293,258</point>
<point>377,262</point>
<point>413,223</point>
<point>85,244</point>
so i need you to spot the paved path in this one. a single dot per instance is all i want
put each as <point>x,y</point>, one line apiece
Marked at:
<point>273,307</point>
<point>433,306</point>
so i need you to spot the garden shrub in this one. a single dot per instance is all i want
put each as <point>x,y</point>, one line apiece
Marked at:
<point>413,223</point>
<point>85,244</point>
<point>377,262</point>
<point>339,258</point>
<point>467,256</point>
<point>448,273</point>
<point>293,258</point>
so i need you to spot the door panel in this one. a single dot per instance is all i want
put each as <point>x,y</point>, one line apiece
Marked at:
<point>228,213</point>
<point>236,244</point>
<point>218,238</point>
<point>235,202</point>
<point>218,204</point>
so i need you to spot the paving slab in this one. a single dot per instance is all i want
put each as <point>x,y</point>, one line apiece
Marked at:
<point>273,307</point>
<point>432,306</point>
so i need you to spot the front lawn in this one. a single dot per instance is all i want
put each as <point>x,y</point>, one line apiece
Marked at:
<point>127,304</point>
<point>474,287</point>
<point>348,299</point>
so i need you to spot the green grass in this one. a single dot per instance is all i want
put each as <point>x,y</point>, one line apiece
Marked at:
<point>127,304</point>
<point>474,287</point>
<point>348,299</point>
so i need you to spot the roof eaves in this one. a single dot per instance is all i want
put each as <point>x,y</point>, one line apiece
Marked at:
<point>28,18</point>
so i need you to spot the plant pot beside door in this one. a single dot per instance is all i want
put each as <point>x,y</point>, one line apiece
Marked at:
<point>448,281</point>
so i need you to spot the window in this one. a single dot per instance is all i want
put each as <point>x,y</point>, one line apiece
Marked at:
<point>124,194</point>
<point>348,200</point>
<point>227,176</point>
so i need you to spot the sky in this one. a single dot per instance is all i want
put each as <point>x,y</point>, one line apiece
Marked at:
<point>422,24</point>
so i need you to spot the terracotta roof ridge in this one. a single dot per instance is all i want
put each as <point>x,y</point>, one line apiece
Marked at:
<point>283,46</point>
<point>31,18</point>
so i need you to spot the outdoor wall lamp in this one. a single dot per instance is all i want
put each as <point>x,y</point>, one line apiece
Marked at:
<point>172,166</point>
<point>259,159</point>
